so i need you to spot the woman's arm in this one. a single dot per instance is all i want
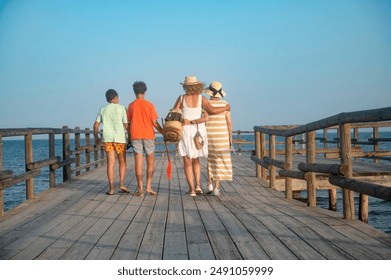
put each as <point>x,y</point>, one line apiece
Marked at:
<point>213,110</point>
<point>204,118</point>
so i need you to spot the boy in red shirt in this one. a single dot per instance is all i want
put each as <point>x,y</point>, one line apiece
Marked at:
<point>142,119</point>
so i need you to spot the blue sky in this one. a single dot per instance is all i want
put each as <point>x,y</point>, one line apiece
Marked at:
<point>280,62</point>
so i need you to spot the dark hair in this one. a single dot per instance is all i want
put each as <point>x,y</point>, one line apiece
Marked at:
<point>139,87</point>
<point>111,94</point>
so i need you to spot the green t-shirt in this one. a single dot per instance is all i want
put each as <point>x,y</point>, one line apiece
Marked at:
<point>113,117</point>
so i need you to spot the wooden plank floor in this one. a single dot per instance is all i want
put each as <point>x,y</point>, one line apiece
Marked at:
<point>77,220</point>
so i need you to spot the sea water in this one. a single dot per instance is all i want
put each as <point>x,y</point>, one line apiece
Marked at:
<point>13,159</point>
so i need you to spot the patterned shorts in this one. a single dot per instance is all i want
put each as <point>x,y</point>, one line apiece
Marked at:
<point>112,146</point>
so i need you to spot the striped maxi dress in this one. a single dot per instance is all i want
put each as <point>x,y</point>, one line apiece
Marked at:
<point>219,152</point>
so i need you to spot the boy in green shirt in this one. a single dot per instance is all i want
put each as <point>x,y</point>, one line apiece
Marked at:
<point>115,122</point>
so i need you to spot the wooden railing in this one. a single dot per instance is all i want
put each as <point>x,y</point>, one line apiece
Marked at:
<point>339,174</point>
<point>69,157</point>
<point>241,145</point>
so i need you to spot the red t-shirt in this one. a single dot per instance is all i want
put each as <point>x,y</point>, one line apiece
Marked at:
<point>141,114</point>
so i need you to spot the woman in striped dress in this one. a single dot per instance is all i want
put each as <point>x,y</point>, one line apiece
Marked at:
<point>219,131</point>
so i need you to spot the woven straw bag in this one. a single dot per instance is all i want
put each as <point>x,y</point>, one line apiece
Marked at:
<point>172,128</point>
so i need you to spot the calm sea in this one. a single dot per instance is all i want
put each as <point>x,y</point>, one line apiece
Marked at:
<point>13,159</point>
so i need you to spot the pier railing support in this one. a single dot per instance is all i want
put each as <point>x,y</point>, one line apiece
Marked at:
<point>311,180</point>
<point>345,154</point>
<point>28,147</point>
<point>258,167</point>
<point>272,155</point>
<point>52,153</point>
<point>288,166</point>
<point>66,153</point>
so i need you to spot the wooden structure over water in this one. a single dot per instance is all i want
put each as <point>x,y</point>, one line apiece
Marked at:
<point>346,173</point>
<point>252,219</point>
<point>77,220</point>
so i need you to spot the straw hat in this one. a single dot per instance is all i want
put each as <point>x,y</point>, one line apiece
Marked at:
<point>215,89</point>
<point>190,80</point>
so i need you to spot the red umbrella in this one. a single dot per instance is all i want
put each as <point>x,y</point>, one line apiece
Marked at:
<point>169,166</point>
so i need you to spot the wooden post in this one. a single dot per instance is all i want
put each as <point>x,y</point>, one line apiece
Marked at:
<point>52,153</point>
<point>66,153</point>
<point>345,154</point>
<point>263,153</point>
<point>239,145</point>
<point>311,180</point>
<point>28,148</point>
<point>376,143</point>
<point>333,199</point>
<point>88,144</point>
<point>325,144</point>
<point>258,152</point>
<point>288,164</point>
<point>332,192</point>
<point>272,154</point>
<point>363,208</point>
<point>355,136</point>
<point>77,147</point>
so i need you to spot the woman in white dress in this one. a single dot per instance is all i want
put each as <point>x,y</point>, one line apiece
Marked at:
<point>195,109</point>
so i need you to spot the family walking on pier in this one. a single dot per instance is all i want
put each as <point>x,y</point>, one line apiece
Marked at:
<point>207,121</point>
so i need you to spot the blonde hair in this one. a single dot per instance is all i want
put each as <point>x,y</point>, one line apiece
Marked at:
<point>194,89</point>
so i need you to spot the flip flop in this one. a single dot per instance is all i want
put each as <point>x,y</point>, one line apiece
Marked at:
<point>123,189</point>
<point>110,193</point>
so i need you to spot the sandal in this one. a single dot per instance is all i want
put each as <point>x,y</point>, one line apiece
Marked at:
<point>191,193</point>
<point>110,193</point>
<point>198,190</point>
<point>123,189</point>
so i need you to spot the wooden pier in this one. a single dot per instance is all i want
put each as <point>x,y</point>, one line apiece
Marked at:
<point>255,217</point>
<point>77,220</point>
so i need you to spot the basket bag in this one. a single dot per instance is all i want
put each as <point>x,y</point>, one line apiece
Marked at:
<point>172,127</point>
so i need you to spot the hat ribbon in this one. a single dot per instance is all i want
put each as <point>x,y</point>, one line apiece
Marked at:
<point>215,91</point>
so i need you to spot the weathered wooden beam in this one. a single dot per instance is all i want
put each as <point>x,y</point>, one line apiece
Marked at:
<point>259,161</point>
<point>371,189</point>
<point>292,174</point>
<point>379,139</point>
<point>274,162</point>
<point>85,166</point>
<point>43,163</point>
<point>366,116</point>
<point>63,163</point>
<point>335,169</point>
<point>19,178</point>
<point>5,174</point>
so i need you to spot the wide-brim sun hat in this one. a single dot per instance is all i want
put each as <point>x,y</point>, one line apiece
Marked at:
<point>215,89</point>
<point>190,80</point>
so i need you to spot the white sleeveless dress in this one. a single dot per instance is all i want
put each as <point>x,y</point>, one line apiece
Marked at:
<point>186,145</point>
